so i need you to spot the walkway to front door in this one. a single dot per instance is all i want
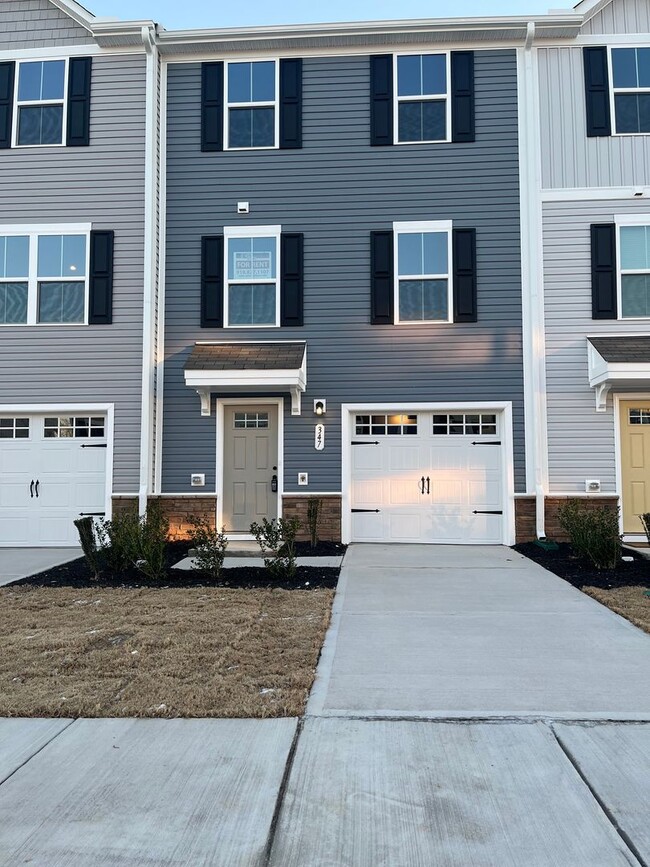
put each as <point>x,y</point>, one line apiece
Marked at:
<point>474,632</point>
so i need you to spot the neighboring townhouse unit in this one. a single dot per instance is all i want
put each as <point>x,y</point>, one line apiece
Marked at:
<point>594,208</point>
<point>75,265</point>
<point>343,279</point>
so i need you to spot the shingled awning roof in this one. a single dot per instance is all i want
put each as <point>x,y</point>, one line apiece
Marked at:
<point>622,361</point>
<point>248,367</point>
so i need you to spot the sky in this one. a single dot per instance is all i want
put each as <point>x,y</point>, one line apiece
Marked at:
<point>184,14</point>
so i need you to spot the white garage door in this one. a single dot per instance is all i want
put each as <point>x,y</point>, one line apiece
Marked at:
<point>427,477</point>
<point>52,469</point>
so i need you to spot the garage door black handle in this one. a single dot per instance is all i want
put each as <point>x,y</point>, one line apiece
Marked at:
<point>37,485</point>
<point>31,489</point>
<point>428,485</point>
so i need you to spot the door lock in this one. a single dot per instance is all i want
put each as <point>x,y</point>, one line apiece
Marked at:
<point>274,484</point>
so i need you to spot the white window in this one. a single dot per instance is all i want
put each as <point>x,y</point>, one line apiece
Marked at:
<point>44,275</point>
<point>386,425</point>
<point>422,108</point>
<point>14,428</point>
<point>634,271</point>
<point>631,90</point>
<point>40,116</point>
<point>422,274</point>
<point>79,427</point>
<point>252,119</point>
<point>252,267</point>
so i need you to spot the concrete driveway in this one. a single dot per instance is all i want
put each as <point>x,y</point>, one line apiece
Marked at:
<point>16,563</point>
<point>474,632</point>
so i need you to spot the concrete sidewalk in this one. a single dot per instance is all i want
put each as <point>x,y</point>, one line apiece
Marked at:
<point>16,563</point>
<point>474,632</point>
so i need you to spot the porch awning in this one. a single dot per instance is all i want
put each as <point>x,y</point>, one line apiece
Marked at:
<point>621,361</point>
<point>264,367</point>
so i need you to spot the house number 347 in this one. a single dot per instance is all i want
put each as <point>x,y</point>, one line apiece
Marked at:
<point>319,437</point>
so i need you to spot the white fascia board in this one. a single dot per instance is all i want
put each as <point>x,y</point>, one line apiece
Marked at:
<point>250,379</point>
<point>75,11</point>
<point>589,8</point>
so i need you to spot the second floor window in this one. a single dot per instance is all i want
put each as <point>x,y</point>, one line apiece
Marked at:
<point>422,102</point>
<point>40,103</point>
<point>422,276</point>
<point>252,297</point>
<point>634,272</point>
<point>631,80</point>
<point>251,111</point>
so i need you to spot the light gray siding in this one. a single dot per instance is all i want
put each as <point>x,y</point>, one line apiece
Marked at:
<point>580,440</point>
<point>621,16</point>
<point>336,190</point>
<point>102,184</point>
<point>37,24</point>
<point>569,158</point>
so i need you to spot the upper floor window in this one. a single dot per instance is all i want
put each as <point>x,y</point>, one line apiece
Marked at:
<point>43,277</point>
<point>251,111</point>
<point>252,297</point>
<point>631,89</point>
<point>422,279</point>
<point>40,102</point>
<point>634,272</point>
<point>422,105</point>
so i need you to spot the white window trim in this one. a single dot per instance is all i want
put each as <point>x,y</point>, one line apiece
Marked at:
<point>428,98</point>
<point>64,102</point>
<point>417,228</point>
<point>252,232</point>
<point>274,104</point>
<point>34,232</point>
<point>622,220</point>
<point>614,90</point>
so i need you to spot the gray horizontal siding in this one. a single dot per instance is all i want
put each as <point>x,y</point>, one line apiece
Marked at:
<point>102,184</point>
<point>569,158</point>
<point>37,24</point>
<point>621,16</point>
<point>336,190</point>
<point>581,441</point>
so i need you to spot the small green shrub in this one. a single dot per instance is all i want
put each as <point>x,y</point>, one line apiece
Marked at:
<point>120,537</point>
<point>594,532</point>
<point>277,538</point>
<point>88,540</point>
<point>314,509</point>
<point>154,529</point>
<point>210,545</point>
<point>131,540</point>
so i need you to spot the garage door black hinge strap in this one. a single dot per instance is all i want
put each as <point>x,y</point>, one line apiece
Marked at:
<point>93,446</point>
<point>486,444</point>
<point>91,514</point>
<point>487,513</point>
<point>376,443</point>
<point>374,511</point>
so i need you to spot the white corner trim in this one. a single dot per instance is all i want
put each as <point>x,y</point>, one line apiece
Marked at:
<point>162,282</point>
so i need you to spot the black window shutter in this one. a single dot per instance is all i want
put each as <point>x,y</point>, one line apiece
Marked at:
<point>212,281</point>
<point>101,278</point>
<point>462,96</point>
<point>603,271</point>
<point>292,282</point>
<point>382,287</point>
<point>212,106</point>
<point>464,252</point>
<point>7,73</point>
<point>381,99</point>
<point>599,121</point>
<point>291,103</point>
<point>79,78</point>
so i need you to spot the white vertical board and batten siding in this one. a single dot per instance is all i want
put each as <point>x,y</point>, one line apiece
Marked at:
<point>102,184</point>
<point>581,440</point>
<point>620,16</point>
<point>37,24</point>
<point>336,189</point>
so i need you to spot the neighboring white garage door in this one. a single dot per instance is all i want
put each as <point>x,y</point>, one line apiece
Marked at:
<point>52,469</point>
<point>427,477</point>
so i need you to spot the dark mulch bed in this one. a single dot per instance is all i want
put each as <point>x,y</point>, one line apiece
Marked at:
<point>581,573</point>
<point>77,574</point>
<point>322,549</point>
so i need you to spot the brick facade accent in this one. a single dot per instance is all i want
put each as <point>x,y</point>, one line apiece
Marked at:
<point>329,524</point>
<point>525,515</point>
<point>178,510</point>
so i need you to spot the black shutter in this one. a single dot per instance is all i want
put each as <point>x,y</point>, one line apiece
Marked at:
<point>291,103</point>
<point>79,77</point>
<point>7,73</point>
<point>381,99</point>
<point>464,251</point>
<point>462,96</point>
<point>382,286</point>
<point>212,281</point>
<point>212,106</point>
<point>101,278</point>
<point>599,121</point>
<point>291,284</point>
<point>603,271</point>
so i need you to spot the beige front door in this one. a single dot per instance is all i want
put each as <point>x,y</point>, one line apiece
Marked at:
<point>635,462</point>
<point>250,466</point>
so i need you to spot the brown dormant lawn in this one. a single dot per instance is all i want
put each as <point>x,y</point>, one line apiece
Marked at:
<point>194,652</point>
<point>629,602</point>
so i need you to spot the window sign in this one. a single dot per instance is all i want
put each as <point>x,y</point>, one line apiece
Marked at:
<point>253,266</point>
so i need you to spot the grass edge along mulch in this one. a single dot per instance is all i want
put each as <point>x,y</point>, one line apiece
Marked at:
<point>191,652</point>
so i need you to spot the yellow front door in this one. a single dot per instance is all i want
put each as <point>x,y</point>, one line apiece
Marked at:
<point>635,462</point>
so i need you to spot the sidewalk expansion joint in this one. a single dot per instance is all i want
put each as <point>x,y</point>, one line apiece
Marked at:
<point>279,801</point>
<point>39,750</point>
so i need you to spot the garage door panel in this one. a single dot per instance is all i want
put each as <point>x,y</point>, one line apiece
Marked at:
<point>446,491</point>
<point>485,493</point>
<point>366,458</point>
<point>16,528</point>
<point>368,493</point>
<point>405,527</point>
<point>53,528</point>
<point>404,458</point>
<point>16,457</point>
<point>369,528</point>
<point>403,492</point>
<point>447,455</point>
<point>484,458</point>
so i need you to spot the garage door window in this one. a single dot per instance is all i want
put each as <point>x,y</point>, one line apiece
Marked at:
<point>386,425</point>
<point>462,424</point>
<point>79,427</point>
<point>14,428</point>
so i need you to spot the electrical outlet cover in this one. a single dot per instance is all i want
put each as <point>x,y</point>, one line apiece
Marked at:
<point>303,479</point>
